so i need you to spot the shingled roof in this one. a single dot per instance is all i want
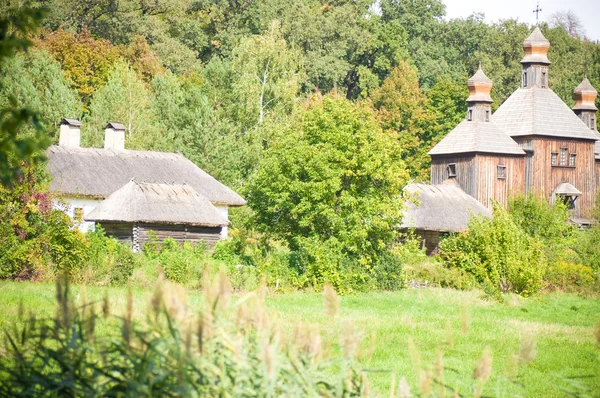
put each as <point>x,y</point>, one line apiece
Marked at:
<point>158,203</point>
<point>443,208</point>
<point>478,137</point>
<point>539,111</point>
<point>97,173</point>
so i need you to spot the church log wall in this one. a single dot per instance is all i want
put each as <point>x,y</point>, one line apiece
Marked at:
<point>547,177</point>
<point>490,186</point>
<point>466,174</point>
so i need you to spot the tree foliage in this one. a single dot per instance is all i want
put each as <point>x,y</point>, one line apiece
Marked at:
<point>17,148</point>
<point>333,176</point>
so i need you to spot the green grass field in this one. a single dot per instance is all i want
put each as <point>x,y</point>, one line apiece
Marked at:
<point>458,324</point>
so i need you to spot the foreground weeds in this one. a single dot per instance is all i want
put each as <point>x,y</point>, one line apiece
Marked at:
<point>171,351</point>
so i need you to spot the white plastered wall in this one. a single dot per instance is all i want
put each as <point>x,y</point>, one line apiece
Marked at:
<point>224,210</point>
<point>68,205</point>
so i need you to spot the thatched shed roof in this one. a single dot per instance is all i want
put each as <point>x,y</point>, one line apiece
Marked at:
<point>97,173</point>
<point>158,203</point>
<point>443,208</point>
<point>539,111</point>
<point>477,137</point>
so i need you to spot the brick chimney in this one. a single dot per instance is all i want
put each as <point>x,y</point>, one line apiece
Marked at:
<point>114,136</point>
<point>70,133</point>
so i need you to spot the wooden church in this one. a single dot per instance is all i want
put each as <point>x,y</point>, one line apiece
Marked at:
<point>533,143</point>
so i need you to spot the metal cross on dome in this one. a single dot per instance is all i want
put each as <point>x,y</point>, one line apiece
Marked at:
<point>537,13</point>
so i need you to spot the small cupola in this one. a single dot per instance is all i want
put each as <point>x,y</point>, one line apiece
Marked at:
<point>114,136</point>
<point>479,100</point>
<point>535,62</point>
<point>70,133</point>
<point>585,103</point>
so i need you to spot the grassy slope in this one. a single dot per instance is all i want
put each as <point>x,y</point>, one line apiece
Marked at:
<point>561,326</point>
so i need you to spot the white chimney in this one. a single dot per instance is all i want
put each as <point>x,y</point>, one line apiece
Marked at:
<point>114,136</point>
<point>70,133</point>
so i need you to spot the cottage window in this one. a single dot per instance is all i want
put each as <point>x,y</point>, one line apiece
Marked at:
<point>487,116</point>
<point>524,79</point>
<point>78,214</point>
<point>470,115</point>
<point>572,160</point>
<point>452,170</point>
<point>563,156</point>
<point>501,172</point>
<point>593,123</point>
<point>554,158</point>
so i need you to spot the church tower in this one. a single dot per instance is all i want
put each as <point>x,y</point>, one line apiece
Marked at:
<point>479,102</point>
<point>560,147</point>
<point>585,103</point>
<point>477,155</point>
<point>535,62</point>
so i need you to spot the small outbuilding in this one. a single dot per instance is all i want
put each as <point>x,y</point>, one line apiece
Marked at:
<point>432,210</point>
<point>168,210</point>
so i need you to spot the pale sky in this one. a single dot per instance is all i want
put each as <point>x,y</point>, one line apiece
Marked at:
<point>587,10</point>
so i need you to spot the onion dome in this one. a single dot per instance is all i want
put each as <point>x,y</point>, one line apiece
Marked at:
<point>585,96</point>
<point>536,48</point>
<point>480,87</point>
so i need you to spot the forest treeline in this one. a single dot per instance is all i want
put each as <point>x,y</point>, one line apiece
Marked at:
<point>219,80</point>
<point>318,113</point>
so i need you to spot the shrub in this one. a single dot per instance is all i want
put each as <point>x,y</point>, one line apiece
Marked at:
<point>499,254</point>
<point>437,274</point>
<point>569,276</point>
<point>546,223</point>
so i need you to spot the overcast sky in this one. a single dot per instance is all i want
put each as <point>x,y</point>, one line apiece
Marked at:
<point>587,10</point>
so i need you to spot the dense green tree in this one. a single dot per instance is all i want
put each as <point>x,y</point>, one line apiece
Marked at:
<point>124,98</point>
<point>35,81</point>
<point>334,177</point>
<point>17,148</point>
<point>403,109</point>
<point>268,75</point>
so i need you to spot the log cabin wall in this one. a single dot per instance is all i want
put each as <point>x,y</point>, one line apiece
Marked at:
<point>121,231</point>
<point>546,176</point>
<point>466,173</point>
<point>180,233</point>
<point>492,185</point>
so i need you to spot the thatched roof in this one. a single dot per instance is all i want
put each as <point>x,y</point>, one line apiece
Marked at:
<point>539,111</point>
<point>96,172</point>
<point>158,203</point>
<point>444,208</point>
<point>477,137</point>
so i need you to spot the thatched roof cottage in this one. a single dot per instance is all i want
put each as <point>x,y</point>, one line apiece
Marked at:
<point>432,210</point>
<point>85,177</point>
<point>169,210</point>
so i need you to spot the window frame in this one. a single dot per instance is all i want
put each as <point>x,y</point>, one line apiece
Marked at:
<point>562,161</point>
<point>501,172</point>
<point>78,215</point>
<point>572,159</point>
<point>451,168</point>
<point>470,115</point>
<point>554,159</point>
